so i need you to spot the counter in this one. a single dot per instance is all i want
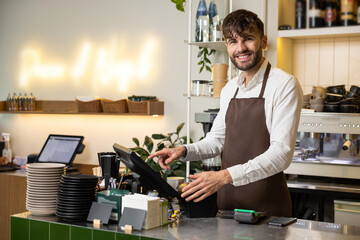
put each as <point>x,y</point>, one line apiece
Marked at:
<point>26,226</point>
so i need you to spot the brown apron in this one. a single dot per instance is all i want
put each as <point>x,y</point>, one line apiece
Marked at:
<point>246,137</point>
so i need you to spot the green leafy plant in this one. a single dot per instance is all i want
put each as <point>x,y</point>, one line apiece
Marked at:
<point>180,4</point>
<point>169,140</point>
<point>205,62</point>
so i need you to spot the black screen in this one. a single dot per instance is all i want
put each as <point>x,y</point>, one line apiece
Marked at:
<point>148,177</point>
<point>60,149</point>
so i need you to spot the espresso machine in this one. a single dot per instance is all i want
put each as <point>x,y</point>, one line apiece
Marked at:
<point>327,145</point>
<point>324,176</point>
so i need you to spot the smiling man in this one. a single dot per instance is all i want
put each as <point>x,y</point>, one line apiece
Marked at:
<point>255,129</point>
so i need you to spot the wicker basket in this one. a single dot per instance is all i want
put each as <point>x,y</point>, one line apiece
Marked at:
<point>138,107</point>
<point>119,106</point>
<point>89,106</point>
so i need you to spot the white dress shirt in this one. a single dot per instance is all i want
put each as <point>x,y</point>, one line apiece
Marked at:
<point>283,100</point>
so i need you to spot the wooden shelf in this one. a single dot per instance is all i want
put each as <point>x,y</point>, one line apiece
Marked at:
<point>321,32</point>
<point>218,46</point>
<point>70,107</point>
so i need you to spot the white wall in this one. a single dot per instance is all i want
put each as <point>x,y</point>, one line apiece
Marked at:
<point>57,30</point>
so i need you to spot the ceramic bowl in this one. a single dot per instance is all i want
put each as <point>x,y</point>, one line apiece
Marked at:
<point>331,108</point>
<point>338,89</point>
<point>355,89</point>
<point>349,108</point>
<point>317,101</point>
<point>331,97</point>
<point>317,108</point>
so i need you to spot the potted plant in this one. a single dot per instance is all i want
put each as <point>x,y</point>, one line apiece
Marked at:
<point>169,140</point>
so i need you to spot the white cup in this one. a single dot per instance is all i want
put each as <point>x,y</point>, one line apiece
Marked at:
<point>174,182</point>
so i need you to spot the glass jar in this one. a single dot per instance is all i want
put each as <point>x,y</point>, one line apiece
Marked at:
<point>199,88</point>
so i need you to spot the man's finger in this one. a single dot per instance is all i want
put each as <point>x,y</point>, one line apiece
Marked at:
<point>155,154</point>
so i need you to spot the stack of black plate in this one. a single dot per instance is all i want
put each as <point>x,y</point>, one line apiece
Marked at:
<point>76,194</point>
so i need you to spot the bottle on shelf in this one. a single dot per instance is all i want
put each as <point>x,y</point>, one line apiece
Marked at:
<point>215,26</point>
<point>31,102</point>
<point>20,100</point>
<point>8,103</point>
<point>330,13</point>
<point>6,152</point>
<point>202,23</point>
<point>14,102</point>
<point>347,12</point>
<point>300,14</point>
<point>315,14</point>
<point>25,102</point>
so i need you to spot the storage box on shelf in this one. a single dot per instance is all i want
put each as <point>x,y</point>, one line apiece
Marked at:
<point>118,106</point>
<point>143,106</point>
<point>89,106</point>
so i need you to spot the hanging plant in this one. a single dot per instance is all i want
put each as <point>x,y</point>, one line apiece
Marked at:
<point>180,4</point>
<point>205,62</point>
<point>203,52</point>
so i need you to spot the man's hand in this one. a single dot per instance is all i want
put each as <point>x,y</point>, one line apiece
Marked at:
<point>168,155</point>
<point>205,184</point>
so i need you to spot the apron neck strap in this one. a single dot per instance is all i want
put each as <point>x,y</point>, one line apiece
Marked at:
<point>236,92</point>
<point>266,75</point>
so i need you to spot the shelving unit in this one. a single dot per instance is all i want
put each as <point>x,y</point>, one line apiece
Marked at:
<point>320,32</point>
<point>322,56</point>
<point>70,107</point>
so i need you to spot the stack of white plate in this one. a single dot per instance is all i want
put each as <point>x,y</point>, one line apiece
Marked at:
<point>43,181</point>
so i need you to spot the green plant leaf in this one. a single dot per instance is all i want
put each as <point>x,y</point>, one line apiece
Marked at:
<point>166,174</point>
<point>141,151</point>
<point>148,142</point>
<point>136,141</point>
<point>160,146</point>
<point>201,52</point>
<point>205,62</point>
<point>185,140</point>
<point>178,129</point>
<point>180,173</point>
<point>180,4</point>
<point>195,165</point>
<point>158,136</point>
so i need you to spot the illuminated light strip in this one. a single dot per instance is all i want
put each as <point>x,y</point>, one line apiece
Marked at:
<point>82,62</point>
<point>107,69</point>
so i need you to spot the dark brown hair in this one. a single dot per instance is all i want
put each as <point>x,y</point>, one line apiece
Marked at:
<point>242,22</point>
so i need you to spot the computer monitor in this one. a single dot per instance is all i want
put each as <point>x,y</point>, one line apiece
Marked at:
<point>148,177</point>
<point>60,149</point>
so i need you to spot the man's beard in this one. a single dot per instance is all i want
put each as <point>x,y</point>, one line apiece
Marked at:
<point>253,63</point>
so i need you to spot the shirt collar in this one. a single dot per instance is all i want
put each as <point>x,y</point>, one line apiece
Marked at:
<point>258,77</point>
